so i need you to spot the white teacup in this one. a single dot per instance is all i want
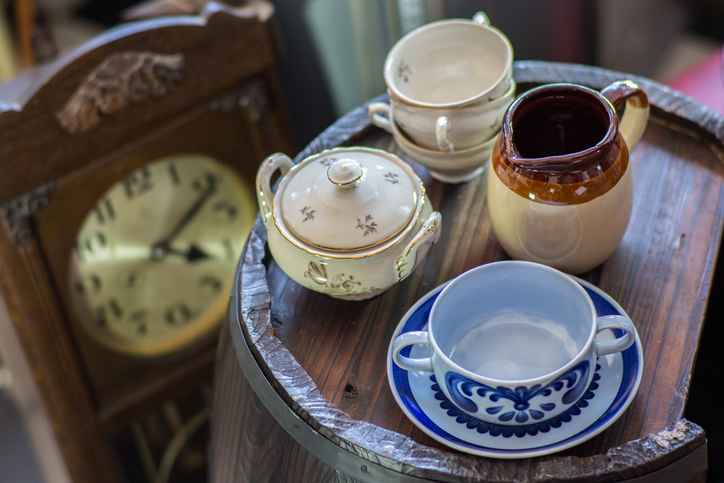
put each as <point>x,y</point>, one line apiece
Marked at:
<point>513,342</point>
<point>455,167</point>
<point>450,63</point>
<point>452,129</point>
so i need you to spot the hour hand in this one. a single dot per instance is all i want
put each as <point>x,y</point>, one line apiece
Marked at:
<point>192,254</point>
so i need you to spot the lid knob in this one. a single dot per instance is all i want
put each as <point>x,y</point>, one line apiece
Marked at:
<point>345,173</point>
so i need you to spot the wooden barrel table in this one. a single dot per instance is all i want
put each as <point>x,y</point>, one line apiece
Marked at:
<point>301,392</point>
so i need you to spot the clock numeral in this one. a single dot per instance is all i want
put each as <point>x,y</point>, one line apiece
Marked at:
<point>173,172</point>
<point>229,249</point>
<point>92,285</point>
<point>104,211</point>
<point>140,318</point>
<point>211,283</point>
<point>106,312</point>
<point>177,315</point>
<point>131,279</point>
<point>92,245</point>
<point>228,209</point>
<point>207,182</point>
<point>137,183</point>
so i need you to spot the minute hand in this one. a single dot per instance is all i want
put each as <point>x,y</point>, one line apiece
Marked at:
<point>162,245</point>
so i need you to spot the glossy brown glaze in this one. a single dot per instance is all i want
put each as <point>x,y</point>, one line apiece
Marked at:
<point>597,179</point>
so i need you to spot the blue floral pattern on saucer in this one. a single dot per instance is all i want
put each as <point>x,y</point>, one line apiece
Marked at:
<point>613,388</point>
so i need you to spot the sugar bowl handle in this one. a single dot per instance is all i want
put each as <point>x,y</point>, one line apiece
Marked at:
<point>636,115</point>
<point>264,195</point>
<point>425,238</point>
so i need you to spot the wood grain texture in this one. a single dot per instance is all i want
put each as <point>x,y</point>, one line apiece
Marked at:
<point>227,105</point>
<point>326,358</point>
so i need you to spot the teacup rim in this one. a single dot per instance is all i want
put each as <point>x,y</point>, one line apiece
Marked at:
<point>499,100</point>
<point>443,23</point>
<point>580,355</point>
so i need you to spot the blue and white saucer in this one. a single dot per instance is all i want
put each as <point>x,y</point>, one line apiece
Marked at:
<point>609,395</point>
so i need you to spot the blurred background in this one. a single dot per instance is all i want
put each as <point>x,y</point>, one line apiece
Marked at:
<point>332,62</point>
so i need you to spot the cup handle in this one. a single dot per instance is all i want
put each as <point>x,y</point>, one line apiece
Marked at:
<point>619,344</point>
<point>379,113</point>
<point>264,195</point>
<point>442,126</point>
<point>427,236</point>
<point>481,19</point>
<point>407,363</point>
<point>634,119</point>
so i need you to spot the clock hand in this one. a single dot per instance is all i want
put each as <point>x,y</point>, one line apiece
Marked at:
<point>194,253</point>
<point>162,247</point>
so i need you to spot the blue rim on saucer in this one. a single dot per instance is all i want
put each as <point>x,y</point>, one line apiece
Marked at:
<point>417,393</point>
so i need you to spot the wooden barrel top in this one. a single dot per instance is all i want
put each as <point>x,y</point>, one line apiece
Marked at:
<point>324,360</point>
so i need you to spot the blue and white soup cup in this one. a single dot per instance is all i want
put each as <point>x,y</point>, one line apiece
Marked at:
<point>513,342</point>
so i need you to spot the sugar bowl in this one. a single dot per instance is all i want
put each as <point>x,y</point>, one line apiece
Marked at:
<point>348,222</point>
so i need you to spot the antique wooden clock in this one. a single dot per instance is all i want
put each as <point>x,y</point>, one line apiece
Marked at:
<point>126,194</point>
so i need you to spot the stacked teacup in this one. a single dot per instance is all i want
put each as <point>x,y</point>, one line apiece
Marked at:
<point>450,83</point>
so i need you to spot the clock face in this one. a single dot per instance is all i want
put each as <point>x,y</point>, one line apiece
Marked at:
<point>156,257</point>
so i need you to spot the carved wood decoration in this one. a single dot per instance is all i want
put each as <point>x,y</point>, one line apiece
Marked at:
<point>16,213</point>
<point>120,80</point>
<point>301,391</point>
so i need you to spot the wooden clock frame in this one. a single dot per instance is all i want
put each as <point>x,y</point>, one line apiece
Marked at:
<point>71,129</point>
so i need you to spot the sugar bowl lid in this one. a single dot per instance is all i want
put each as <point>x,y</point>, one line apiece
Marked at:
<point>349,198</point>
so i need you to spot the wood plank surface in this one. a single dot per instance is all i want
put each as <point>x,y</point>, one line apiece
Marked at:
<point>326,358</point>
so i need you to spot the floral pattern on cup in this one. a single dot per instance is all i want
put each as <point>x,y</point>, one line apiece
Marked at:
<point>404,71</point>
<point>520,431</point>
<point>521,404</point>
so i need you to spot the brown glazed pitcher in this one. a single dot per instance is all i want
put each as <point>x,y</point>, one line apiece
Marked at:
<point>560,187</point>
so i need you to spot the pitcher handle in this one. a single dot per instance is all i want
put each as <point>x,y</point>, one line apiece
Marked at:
<point>264,195</point>
<point>636,115</point>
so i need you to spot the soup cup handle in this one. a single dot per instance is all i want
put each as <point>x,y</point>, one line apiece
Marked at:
<point>619,344</point>
<point>264,195</point>
<point>379,113</point>
<point>442,126</point>
<point>407,339</point>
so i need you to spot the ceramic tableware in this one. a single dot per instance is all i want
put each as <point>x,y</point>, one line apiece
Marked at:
<point>348,222</point>
<point>613,389</point>
<point>513,342</point>
<point>560,187</point>
<point>455,167</point>
<point>450,63</point>
<point>452,129</point>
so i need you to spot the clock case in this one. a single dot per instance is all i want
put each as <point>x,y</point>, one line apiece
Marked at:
<point>70,130</point>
